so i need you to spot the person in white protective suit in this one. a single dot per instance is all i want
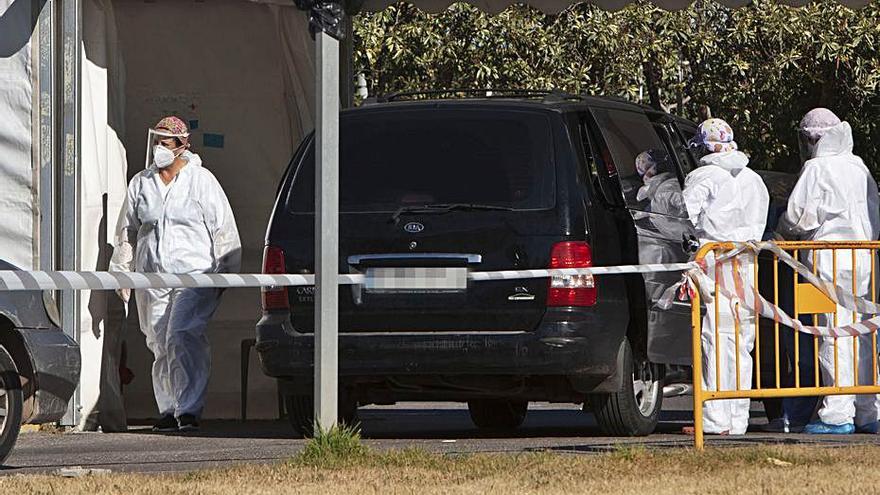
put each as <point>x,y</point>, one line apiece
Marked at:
<point>726,201</point>
<point>662,192</point>
<point>661,186</point>
<point>836,199</point>
<point>176,219</point>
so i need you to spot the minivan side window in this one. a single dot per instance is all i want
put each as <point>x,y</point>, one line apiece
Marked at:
<point>602,173</point>
<point>686,132</point>
<point>641,158</point>
<point>675,148</point>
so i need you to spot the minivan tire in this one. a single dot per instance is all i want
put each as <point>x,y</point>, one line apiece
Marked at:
<point>634,410</point>
<point>301,413</point>
<point>498,414</point>
<point>12,401</point>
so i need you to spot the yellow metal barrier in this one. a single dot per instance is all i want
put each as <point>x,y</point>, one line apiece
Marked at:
<point>796,299</point>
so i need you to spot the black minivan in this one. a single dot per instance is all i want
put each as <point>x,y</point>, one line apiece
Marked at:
<point>509,182</point>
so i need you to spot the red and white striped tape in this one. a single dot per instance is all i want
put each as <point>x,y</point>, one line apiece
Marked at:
<point>733,285</point>
<point>17,280</point>
<point>697,277</point>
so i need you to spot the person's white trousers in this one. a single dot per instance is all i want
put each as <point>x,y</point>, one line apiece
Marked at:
<point>728,415</point>
<point>174,323</point>
<point>846,409</point>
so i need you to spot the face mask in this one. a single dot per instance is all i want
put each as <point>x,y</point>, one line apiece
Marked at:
<point>162,156</point>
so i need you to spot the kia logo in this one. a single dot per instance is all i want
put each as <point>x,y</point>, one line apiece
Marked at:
<point>414,227</point>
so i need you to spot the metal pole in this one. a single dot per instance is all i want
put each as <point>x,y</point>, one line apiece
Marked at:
<point>46,156</point>
<point>326,229</point>
<point>70,44</point>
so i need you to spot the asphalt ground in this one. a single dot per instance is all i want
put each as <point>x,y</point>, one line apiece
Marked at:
<point>440,428</point>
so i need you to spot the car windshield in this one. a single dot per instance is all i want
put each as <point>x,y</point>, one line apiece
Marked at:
<point>412,158</point>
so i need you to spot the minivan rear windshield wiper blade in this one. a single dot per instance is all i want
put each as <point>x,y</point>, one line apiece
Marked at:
<point>446,207</point>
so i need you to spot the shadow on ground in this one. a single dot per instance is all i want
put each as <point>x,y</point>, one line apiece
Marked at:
<point>424,424</point>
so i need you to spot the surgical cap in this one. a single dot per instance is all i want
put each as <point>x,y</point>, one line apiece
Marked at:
<point>646,164</point>
<point>817,121</point>
<point>173,125</point>
<point>716,136</point>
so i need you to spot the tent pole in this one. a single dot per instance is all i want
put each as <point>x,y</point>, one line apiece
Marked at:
<point>326,230</point>
<point>46,131</point>
<point>69,60</point>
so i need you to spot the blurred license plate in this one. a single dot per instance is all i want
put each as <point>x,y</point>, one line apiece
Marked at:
<point>412,279</point>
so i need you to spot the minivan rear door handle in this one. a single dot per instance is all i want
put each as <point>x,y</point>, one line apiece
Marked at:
<point>414,259</point>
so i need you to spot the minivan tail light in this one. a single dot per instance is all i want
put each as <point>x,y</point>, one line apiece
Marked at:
<point>572,290</point>
<point>274,298</point>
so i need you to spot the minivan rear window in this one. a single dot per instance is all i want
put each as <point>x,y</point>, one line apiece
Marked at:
<point>421,157</point>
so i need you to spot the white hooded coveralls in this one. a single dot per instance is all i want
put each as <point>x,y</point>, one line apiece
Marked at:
<point>726,201</point>
<point>664,194</point>
<point>836,199</point>
<point>665,201</point>
<point>184,227</point>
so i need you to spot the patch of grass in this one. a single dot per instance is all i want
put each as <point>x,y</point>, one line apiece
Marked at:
<point>409,458</point>
<point>196,476</point>
<point>338,463</point>
<point>628,452</point>
<point>52,428</point>
<point>341,444</point>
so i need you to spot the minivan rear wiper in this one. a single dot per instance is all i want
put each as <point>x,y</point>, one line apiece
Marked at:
<point>445,207</point>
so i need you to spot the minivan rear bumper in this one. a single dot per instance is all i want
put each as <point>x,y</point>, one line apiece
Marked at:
<point>580,343</point>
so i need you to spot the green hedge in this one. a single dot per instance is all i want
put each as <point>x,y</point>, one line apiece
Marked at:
<point>760,67</point>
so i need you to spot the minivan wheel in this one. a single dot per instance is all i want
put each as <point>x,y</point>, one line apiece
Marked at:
<point>11,404</point>
<point>301,413</point>
<point>498,414</point>
<point>635,409</point>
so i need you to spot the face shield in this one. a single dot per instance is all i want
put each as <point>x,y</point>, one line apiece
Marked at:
<point>163,147</point>
<point>696,148</point>
<point>807,143</point>
<point>812,127</point>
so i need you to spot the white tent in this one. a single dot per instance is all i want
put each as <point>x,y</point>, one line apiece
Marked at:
<point>249,98</point>
<point>80,80</point>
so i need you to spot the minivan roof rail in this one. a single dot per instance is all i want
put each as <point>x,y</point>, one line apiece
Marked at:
<point>547,95</point>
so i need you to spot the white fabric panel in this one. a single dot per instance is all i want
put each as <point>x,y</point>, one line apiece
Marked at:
<point>18,202</point>
<point>103,187</point>
<point>298,70</point>
<point>553,6</point>
<point>244,71</point>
